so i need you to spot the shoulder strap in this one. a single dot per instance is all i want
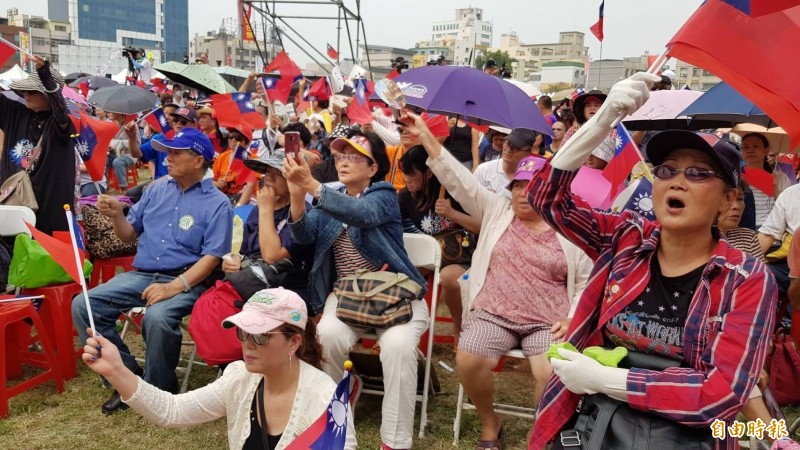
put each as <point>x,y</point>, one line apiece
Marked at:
<point>262,414</point>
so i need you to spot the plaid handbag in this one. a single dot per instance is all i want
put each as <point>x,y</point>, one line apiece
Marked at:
<point>375,299</point>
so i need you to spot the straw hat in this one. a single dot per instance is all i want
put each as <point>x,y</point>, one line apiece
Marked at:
<point>33,83</point>
<point>779,141</point>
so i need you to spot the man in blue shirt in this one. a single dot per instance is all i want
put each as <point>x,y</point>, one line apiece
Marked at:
<point>183,224</point>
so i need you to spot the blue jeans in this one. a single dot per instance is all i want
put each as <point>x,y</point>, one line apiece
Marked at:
<point>160,327</point>
<point>121,164</point>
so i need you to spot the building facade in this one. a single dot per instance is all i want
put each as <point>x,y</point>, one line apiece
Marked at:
<point>526,65</point>
<point>158,26</point>
<point>603,73</point>
<point>467,34</point>
<point>381,58</point>
<point>12,34</point>
<point>570,47</point>
<point>43,36</point>
<point>570,72</point>
<point>696,78</point>
<point>226,49</point>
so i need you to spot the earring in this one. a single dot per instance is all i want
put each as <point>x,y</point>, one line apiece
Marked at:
<point>290,360</point>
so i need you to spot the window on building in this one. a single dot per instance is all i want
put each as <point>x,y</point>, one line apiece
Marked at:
<point>85,8</point>
<point>707,74</point>
<point>696,72</point>
<point>60,28</point>
<point>684,73</point>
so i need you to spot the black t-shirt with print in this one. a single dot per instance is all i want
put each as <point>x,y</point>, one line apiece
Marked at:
<point>53,176</point>
<point>427,222</point>
<point>653,323</point>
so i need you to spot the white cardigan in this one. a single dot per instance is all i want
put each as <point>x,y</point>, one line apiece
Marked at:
<point>496,216</point>
<point>232,395</point>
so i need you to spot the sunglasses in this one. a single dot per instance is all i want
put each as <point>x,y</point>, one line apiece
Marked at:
<point>349,157</point>
<point>240,138</point>
<point>182,121</point>
<point>259,339</point>
<point>694,174</point>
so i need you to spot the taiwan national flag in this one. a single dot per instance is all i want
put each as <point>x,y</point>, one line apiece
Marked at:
<point>238,157</point>
<point>290,74</point>
<point>637,197</point>
<point>238,108</point>
<point>92,141</point>
<point>332,53</point>
<point>159,123</point>
<point>626,155</point>
<point>597,28</point>
<point>321,89</point>
<point>270,84</point>
<point>329,431</point>
<point>746,43</point>
<point>358,111</point>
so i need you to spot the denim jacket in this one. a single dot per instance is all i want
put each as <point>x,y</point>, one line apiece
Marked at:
<point>373,223</point>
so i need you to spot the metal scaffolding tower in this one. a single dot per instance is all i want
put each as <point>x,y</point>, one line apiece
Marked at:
<point>272,19</point>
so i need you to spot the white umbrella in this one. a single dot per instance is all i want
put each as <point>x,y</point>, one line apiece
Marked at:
<point>527,88</point>
<point>15,73</point>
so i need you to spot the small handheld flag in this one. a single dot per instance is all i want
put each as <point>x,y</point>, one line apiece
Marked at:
<point>332,53</point>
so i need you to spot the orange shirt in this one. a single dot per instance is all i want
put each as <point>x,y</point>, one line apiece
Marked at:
<point>395,152</point>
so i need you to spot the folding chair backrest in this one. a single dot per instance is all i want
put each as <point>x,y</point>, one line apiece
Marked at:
<point>423,250</point>
<point>13,218</point>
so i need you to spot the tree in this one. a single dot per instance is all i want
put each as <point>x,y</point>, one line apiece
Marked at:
<point>555,87</point>
<point>499,57</point>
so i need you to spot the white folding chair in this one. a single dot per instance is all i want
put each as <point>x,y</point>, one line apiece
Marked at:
<point>425,253</point>
<point>13,218</point>
<point>463,404</point>
<point>191,361</point>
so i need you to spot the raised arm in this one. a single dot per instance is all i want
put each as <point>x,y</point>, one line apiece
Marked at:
<point>53,89</point>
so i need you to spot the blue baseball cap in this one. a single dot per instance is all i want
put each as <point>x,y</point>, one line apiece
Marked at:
<point>187,139</point>
<point>722,152</point>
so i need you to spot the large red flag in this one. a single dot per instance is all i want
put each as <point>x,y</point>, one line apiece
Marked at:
<point>597,28</point>
<point>92,142</point>
<point>238,108</point>
<point>358,111</point>
<point>290,74</point>
<point>61,252</point>
<point>749,51</point>
<point>6,51</point>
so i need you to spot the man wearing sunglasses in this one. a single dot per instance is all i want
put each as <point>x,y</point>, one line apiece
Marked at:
<point>184,118</point>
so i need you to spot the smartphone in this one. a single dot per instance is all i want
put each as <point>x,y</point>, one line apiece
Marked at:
<point>291,143</point>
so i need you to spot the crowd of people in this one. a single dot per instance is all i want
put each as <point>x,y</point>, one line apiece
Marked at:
<point>698,288</point>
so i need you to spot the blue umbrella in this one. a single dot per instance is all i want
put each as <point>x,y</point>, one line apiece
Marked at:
<point>469,93</point>
<point>724,103</point>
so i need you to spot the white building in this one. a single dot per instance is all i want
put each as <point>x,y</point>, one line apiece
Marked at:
<point>696,78</point>
<point>468,32</point>
<point>570,72</point>
<point>46,35</point>
<point>526,64</point>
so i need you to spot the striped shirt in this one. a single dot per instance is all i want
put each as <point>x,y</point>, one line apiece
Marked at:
<point>347,258</point>
<point>746,240</point>
<point>764,204</point>
<point>727,329</point>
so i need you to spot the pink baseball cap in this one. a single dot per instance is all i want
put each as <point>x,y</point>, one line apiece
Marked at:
<point>526,169</point>
<point>268,309</point>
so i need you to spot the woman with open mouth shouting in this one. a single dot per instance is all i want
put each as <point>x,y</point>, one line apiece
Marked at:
<point>693,313</point>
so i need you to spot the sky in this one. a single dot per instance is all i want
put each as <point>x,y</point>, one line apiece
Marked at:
<point>631,26</point>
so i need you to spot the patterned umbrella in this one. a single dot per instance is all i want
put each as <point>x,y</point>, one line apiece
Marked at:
<point>198,76</point>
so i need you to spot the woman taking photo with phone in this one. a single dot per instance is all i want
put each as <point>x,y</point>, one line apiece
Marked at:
<point>673,290</point>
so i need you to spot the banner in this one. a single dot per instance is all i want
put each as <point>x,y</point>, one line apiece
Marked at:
<point>245,11</point>
<point>25,44</point>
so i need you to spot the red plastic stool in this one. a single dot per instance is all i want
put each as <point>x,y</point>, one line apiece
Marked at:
<point>105,269</point>
<point>132,173</point>
<point>12,314</point>
<point>56,313</point>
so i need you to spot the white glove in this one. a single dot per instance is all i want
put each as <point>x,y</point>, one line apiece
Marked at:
<point>583,375</point>
<point>624,99</point>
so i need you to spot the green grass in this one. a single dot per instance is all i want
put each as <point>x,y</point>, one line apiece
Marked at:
<point>43,419</point>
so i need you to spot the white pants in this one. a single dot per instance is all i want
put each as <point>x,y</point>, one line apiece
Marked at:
<point>398,358</point>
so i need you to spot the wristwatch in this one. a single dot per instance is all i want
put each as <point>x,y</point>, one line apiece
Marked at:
<point>317,192</point>
<point>186,286</point>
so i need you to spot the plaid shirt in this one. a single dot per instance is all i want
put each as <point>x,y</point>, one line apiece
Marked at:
<point>727,328</point>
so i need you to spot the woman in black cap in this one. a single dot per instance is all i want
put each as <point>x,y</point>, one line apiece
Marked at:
<point>37,140</point>
<point>693,314</point>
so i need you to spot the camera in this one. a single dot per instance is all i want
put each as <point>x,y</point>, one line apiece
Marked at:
<point>129,52</point>
<point>504,72</point>
<point>399,64</point>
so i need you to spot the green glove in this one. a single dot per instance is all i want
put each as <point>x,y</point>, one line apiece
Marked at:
<point>552,352</point>
<point>606,357</point>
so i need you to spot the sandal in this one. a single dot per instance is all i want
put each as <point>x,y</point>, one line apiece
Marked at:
<point>493,445</point>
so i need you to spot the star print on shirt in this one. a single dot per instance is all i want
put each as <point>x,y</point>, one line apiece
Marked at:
<point>647,290</point>
<point>641,303</point>
<point>661,308</point>
<point>674,308</point>
<point>676,294</point>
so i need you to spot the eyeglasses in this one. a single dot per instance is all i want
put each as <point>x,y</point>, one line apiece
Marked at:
<point>349,157</point>
<point>259,339</point>
<point>694,174</point>
<point>181,121</point>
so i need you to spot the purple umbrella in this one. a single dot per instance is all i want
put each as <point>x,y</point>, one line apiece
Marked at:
<point>469,93</point>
